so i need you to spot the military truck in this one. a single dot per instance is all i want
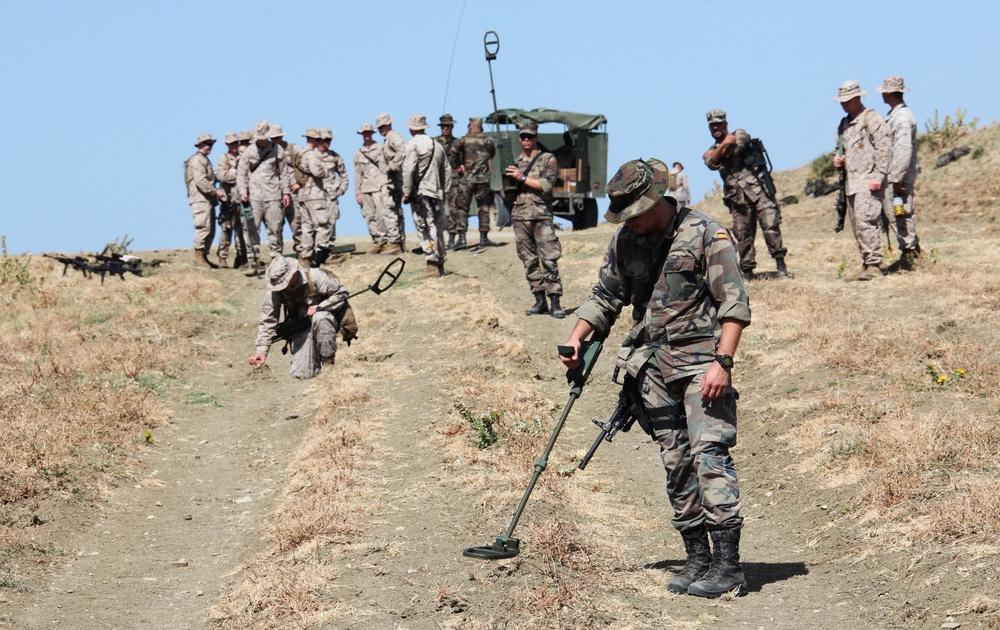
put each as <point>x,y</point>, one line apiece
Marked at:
<point>581,151</point>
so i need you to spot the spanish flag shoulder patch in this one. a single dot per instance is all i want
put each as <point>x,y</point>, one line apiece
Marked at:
<point>722,235</point>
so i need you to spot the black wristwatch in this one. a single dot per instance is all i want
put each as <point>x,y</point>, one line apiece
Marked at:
<point>725,360</point>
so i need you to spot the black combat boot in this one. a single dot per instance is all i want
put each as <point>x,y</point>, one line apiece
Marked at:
<point>484,240</point>
<point>748,274</point>
<point>782,269</point>
<point>451,240</point>
<point>540,307</point>
<point>461,244</point>
<point>699,560</point>
<point>556,311</point>
<point>726,574</point>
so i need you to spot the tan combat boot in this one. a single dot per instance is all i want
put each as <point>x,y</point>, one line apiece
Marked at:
<point>434,270</point>
<point>376,248</point>
<point>391,249</point>
<point>200,260</point>
<point>856,275</point>
<point>871,272</point>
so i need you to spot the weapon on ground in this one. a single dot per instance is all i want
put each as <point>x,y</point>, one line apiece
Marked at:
<point>627,411</point>
<point>295,325</point>
<point>506,546</point>
<point>323,252</point>
<point>113,265</point>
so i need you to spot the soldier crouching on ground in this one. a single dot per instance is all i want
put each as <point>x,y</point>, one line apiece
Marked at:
<point>312,293</point>
<point>678,269</point>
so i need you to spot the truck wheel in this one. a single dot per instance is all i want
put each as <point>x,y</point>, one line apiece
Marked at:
<point>587,216</point>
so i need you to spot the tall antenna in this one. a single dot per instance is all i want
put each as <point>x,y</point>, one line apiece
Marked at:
<point>447,83</point>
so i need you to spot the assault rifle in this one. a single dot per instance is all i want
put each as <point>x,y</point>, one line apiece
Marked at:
<point>759,163</point>
<point>841,206</point>
<point>627,411</point>
<point>113,265</point>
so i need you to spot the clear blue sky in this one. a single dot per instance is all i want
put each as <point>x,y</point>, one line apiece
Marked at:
<point>104,99</point>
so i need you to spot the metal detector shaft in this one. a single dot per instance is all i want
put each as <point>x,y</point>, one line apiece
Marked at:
<point>492,47</point>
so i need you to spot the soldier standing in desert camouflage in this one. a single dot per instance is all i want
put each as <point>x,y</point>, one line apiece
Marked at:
<point>678,270</point>
<point>336,182</point>
<point>535,172</point>
<point>314,197</point>
<point>393,152</point>
<point>748,200</point>
<point>262,179</point>
<point>471,155</point>
<point>291,210</point>
<point>903,170</point>
<point>680,192</point>
<point>202,196</point>
<point>426,175</point>
<point>863,146</point>
<point>372,191</point>
<point>230,219</point>
<point>447,141</point>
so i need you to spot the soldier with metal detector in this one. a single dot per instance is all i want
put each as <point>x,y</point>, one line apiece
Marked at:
<point>680,272</point>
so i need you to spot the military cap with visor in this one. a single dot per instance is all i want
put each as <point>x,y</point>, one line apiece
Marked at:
<point>529,128</point>
<point>636,189</point>
<point>716,116</point>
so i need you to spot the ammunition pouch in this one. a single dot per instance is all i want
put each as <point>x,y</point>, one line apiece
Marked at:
<point>670,418</point>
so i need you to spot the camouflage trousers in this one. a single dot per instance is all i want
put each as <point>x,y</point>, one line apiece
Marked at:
<point>293,215</point>
<point>906,224</point>
<point>539,249</point>
<point>314,347</point>
<point>317,226</point>
<point>395,224</point>
<point>465,193</point>
<point>695,438</point>
<point>272,215</point>
<point>203,214</point>
<point>865,210</point>
<point>745,220</point>
<point>375,208</point>
<point>429,218</point>
<point>230,226</point>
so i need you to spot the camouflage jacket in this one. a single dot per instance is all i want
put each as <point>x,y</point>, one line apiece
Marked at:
<point>473,151</point>
<point>330,294</point>
<point>263,173</point>
<point>200,178</point>
<point>225,170</point>
<point>368,169</point>
<point>447,146</point>
<point>676,307</point>
<point>530,203</point>
<point>866,150</point>
<point>740,185</point>
<point>425,170</point>
<point>336,173</point>
<point>393,150</point>
<point>903,167</point>
<point>309,161</point>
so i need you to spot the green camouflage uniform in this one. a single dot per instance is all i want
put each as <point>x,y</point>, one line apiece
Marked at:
<point>676,311</point>
<point>449,195</point>
<point>538,246</point>
<point>473,151</point>
<point>748,202</point>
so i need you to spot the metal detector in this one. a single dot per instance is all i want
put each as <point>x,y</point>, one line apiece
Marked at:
<point>506,546</point>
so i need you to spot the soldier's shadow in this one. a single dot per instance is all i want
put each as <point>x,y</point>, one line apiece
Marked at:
<point>757,573</point>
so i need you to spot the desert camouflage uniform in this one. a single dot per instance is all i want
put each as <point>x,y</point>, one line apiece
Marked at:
<point>230,219</point>
<point>473,151</point>
<point>676,311</point>
<point>681,193</point>
<point>312,347</point>
<point>293,213</point>
<point>202,197</point>
<point>264,176</point>
<point>426,157</point>
<point>538,246</point>
<point>866,157</point>
<point>373,187</point>
<point>903,169</point>
<point>748,203</point>
<point>393,152</point>
<point>336,184</point>
<point>449,194</point>
<point>314,201</point>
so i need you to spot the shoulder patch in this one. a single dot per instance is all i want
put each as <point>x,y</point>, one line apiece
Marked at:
<point>722,235</point>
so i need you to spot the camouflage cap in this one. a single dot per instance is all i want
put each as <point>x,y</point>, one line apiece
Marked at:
<point>446,120</point>
<point>203,138</point>
<point>325,133</point>
<point>383,119</point>
<point>892,84</point>
<point>311,133</point>
<point>366,128</point>
<point>262,131</point>
<point>280,273</point>
<point>528,128</point>
<point>716,116</point>
<point>246,136</point>
<point>276,132</point>
<point>475,120</point>
<point>848,90</point>
<point>635,189</point>
<point>232,137</point>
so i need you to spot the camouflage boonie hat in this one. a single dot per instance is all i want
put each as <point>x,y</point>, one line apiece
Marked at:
<point>417,121</point>
<point>716,116</point>
<point>203,138</point>
<point>276,132</point>
<point>311,133</point>
<point>245,136</point>
<point>635,189</point>
<point>446,120</point>
<point>366,128</point>
<point>262,131</point>
<point>848,90</point>
<point>891,85</point>
<point>383,119</point>
<point>231,137</point>
<point>280,273</point>
<point>528,128</point>
<point>475,119</point>
<point>325,133</point>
